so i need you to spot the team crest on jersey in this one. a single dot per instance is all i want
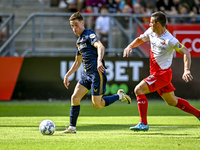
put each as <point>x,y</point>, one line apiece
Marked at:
<point>163,42</point>
<point>92,36</point>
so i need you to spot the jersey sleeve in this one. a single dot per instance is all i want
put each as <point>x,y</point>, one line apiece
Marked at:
<point>77,51</point>
<point>178,46</point>
<point>145,35</point>
<point>92,37</point>
<point>175,43</point>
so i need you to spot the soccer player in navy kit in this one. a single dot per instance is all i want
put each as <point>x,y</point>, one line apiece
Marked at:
<point>90,51</point>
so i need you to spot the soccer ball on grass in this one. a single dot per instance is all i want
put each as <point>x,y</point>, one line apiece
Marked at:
<point>47,127</point>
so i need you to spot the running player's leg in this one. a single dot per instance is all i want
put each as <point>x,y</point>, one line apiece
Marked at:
<point>148,85</point>
<point>180,103</point>
<point>76,97</point>
<point>99,102</point>
<point>140,90</point>
<point>98,88</point>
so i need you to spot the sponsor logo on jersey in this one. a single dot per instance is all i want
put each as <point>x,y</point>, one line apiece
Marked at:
<point>92,36</point>
<point>81,46</point>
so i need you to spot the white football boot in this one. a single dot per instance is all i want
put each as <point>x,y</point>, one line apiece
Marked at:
<point>124,96</point>
<point>71,129</point>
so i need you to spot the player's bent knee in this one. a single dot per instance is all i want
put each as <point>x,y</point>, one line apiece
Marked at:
<point>97,106</point>
<point>171,100</point>
<point>172,103</point>
<point>138,90</point>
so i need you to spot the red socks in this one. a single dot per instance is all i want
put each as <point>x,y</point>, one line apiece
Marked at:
<point>142,107</point>
<point>185,106</point>
<point>182,104</point>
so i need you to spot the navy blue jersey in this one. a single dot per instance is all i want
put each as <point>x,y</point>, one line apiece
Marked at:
<point>87,50</point>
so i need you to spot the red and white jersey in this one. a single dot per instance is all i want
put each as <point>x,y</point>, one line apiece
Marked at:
<point>162,49</point>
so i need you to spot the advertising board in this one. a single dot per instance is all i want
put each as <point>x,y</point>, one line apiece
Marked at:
<point>41,78</point>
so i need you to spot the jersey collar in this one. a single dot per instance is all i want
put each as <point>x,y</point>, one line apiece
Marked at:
<point>162,34</point>
<point>83,32</point>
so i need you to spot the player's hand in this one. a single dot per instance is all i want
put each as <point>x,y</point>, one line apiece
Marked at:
<point>187,76</point>
<point>100,67</point>
<point>128,50</point>
<point>66,81</point>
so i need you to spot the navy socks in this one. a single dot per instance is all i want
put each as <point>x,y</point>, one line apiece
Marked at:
<point>110,99</point>
<point>74,112</point>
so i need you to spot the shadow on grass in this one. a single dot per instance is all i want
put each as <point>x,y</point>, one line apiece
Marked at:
<point>113,129</point>
<point>96,127</point>
<point>125,127</point>
<point>104,127</point>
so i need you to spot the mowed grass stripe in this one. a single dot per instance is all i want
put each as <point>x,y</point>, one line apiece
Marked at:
<point>97,135</point>
<point>106,129</point>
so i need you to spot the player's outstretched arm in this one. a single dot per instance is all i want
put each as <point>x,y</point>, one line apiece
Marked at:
<point>128,50</point>
<point>100,49</point>
<point>73,69</point>
<point>187,63</point>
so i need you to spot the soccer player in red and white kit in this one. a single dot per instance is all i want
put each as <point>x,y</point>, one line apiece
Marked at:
<point>163,45</point>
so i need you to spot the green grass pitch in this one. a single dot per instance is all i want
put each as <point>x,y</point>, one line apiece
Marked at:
<point>104,129</point>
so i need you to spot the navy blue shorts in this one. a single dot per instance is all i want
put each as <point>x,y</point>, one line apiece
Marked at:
<point>94,81</point>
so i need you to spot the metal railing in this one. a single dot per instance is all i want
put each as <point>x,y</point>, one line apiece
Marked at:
<point>16,3</point>
<point>9,23</point>
<point>32,17</point>
<point>131,34</point>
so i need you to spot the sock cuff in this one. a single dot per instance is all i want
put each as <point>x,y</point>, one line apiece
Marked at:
<point>141,97</point>
<point>75,107</point>
<point>120,96</point>
<point>180,102</point>
<point>110,99</point>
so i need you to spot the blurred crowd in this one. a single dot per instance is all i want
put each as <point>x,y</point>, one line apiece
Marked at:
<point>101,24</point>
<point>146,7</point>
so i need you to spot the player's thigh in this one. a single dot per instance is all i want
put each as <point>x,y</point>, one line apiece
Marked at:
<point>97,101</point>
<point>141,88</point>
<point>78,94</point>
<point>170,98</point>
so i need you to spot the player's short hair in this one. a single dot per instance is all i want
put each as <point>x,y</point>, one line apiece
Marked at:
<point>160,17</point>
<point>76,15</point>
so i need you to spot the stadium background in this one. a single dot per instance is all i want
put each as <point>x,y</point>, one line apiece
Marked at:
<point>44,48</point>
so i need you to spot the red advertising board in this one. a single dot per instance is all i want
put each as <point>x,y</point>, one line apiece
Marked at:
<point>187,34</point>
<point>9,71</point>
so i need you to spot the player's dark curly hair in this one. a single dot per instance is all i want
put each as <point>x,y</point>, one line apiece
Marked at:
<point>76,15</point>
<point>160,17</point>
